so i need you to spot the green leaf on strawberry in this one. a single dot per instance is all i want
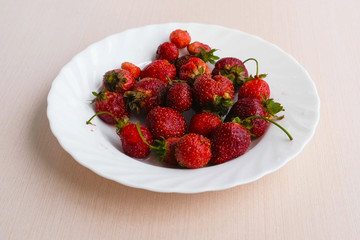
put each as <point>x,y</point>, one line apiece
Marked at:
<point>208,56</point>
<point>272,107</point>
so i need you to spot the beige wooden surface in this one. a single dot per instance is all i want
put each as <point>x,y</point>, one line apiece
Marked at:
<point>45,194</point>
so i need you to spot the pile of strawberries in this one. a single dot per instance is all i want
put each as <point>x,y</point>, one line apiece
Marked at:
<point>219,130</point>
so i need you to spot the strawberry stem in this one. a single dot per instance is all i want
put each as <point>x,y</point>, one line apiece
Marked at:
<point>271,121</point>
<point>160,150</point>
<point>120,123</point>
<point>257,64</point>
<point>142,137</point>
<point>98,113</point>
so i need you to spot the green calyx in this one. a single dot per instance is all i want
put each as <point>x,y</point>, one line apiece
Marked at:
<point>272,107</point>
<point>160,149</point>
<point>208,56</point>
<point>98,96</point>
<point>235,74</point>
<point>221,105</point>
<point>114,80</point>
<point>246,123</point>
<point>120,122</point>
<point>135,100</point>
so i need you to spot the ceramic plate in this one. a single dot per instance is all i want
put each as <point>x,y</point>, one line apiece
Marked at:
<point>99,149</point>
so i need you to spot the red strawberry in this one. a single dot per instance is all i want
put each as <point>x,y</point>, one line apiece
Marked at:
<point>112,102</point>
<point>168,51</point>
<point>160,69</point>
<point>215,94</point>
<point>202,51</point>
<point>179,96</point>
<point>193,151</point>
<point>204,123</point>
<point>192,68</point>
<point>195,47</point>
<point>146,94</point>
<point>232,68</point>
<point>118,80</point>
<point>255,88</point>
<point>164,122</point>
<point>132,68</point>
<point>131,141</point>
<point>180,38</point>
<point>247,107</point>
<point>229,141</point>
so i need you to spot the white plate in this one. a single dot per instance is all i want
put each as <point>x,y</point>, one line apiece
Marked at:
<point>98,147</point>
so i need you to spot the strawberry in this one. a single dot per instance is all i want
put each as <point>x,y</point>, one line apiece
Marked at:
<point>246,107</point>
<point>193,151</point>
<point>160,69</point>
<point>192,68</point>
<point>165,122</point>
<point>146,94</point>
<point>255,87</point>
<point>112,102</point>
<point>118,80</point>
<point>202,51</point>
<point>132,68</point>
<point>179,96</point>
<point>195,47</point>
<point>180,38</point>
<point>204,123</point>
<point>232,68</point>
<point>168,51</point>
<point>164,149</point>
<point>214,94</point>
<point>229,141</point>
<point>131,141</point>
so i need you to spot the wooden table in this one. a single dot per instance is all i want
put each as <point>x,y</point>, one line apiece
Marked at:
<point>46,194</point>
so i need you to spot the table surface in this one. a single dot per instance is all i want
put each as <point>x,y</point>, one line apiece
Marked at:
<point>46,194</point>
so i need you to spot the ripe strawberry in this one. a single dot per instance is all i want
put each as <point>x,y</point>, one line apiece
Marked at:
<point>181,61</point>
<point>192,68</point>
<point>255,87</point>
<point>132,68</point>
<point>229,141</point>
<point>195,47</point>
<point>214,94</point>
<point>168,51</point>
<point>180,38</point>
<point>246,107</point>
<point>204,123</point>
<point>160,69</point>
<point>118,80</point>
<point>232,68</point>
<point>165,122</point>
<point>179,97</point>
<point>131,141</point>
<point>193,151</point>
<point>146,94</point>
<point>203,51</point>
<point>112,102</point>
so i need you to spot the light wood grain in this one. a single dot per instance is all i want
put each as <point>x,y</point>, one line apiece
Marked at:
<point>45,194</point>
